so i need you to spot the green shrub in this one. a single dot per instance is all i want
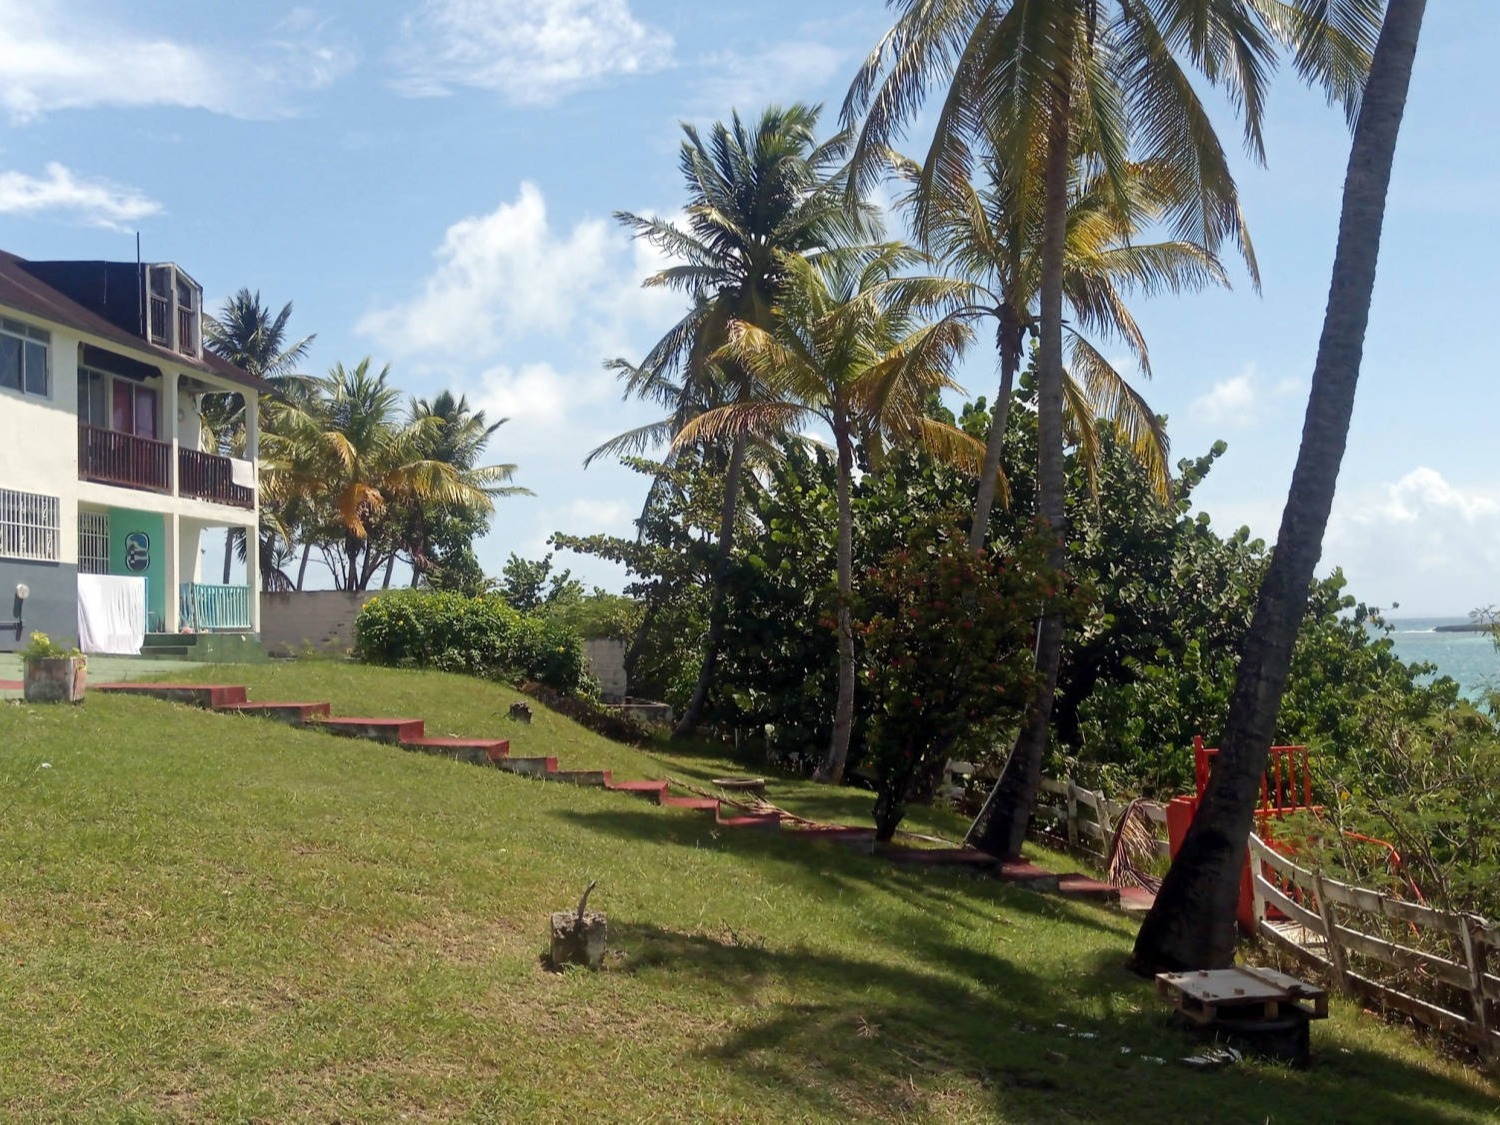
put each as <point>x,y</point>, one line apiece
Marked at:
<point>480,636</point>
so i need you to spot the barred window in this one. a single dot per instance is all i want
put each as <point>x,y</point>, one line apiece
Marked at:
<point>93,542</point>
<point>28,526</point>
<point>23,358</point>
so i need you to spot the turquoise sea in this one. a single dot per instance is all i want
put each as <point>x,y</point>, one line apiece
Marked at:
<point>1470,658</point>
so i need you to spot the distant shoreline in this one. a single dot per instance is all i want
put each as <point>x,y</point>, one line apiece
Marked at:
<point>1468,628</point>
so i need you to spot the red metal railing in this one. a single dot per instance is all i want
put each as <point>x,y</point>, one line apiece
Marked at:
<point>115,458</point>
<point>1287,771</point>
<point>207,476</point>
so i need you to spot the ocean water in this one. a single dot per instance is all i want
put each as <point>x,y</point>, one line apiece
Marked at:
<point>1470,658</point>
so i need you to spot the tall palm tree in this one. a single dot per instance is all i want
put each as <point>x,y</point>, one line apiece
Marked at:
<point>990,236</point>
<point>1191,924</point>
<point>757,194</point>
<point>850,347</point>
<point>246,334</point>
<point>1029,75</point>
<point>348,452</point>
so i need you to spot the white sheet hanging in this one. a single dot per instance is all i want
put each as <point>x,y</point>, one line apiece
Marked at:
<point>111,614</point>
<point>242,472</point>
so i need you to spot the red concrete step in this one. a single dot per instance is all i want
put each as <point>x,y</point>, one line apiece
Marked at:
<point>476,751</point>
<point>1079,886</point>
<point>294,713</point>
<point>771,821</point>
<point>595,779</point>
<point>1024,874</point>
<point>653,791</point>
<point>210,696</point>
<point>701,804</point>
<point>377,730</point>
<point>530,767</point>
<point>1136,900</point>
<point>969,859</point>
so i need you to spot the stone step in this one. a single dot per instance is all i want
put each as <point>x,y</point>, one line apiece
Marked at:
<point>294,713</point>
<point>208,696</point>
<point>377,730</point>
<point>476,751</point>
<point>530,767</point>
<point>596,779</point>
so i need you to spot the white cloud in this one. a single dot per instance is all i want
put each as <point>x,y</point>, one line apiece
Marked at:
<point>94,202</point>
<point>783,72</point>
<point>1423,541</point>
<point>529,51</point>
<point>1242,400</point>
<point>537,398</point>
<point>55,55</point>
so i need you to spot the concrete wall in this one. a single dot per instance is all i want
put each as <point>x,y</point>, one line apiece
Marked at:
<point>51,608</point>
<point>606,663</point>
<point>319,619</point>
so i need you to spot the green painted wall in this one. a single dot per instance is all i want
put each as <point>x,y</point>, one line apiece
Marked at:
<point>125,554</point>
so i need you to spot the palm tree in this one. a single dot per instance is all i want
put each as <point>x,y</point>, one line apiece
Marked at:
<point>348,454</point>
<point>990,237</point>
<point>248,336</point>
<point>849,348</point>
<point>1028,77</point>
<point>1191,924</point>
<point>756,196</point>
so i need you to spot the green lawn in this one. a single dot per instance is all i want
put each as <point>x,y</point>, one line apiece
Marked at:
<point>207,917</point>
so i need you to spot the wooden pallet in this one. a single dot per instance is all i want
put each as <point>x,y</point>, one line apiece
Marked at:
<point>1241,994</point>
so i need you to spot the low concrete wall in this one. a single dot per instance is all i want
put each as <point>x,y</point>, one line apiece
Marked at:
<point>51,607</point>
<point>606,663</point>
<point>317,619</point>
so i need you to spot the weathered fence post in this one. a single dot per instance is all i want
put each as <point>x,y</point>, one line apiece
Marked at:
<point>1476,952</point>
<point>1072,815</point>
<point>1330,930</point>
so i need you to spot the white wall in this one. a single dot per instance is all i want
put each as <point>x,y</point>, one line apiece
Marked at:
<point>39,437</point>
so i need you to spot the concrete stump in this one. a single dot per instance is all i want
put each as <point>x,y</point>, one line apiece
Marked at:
<point>578,939</point>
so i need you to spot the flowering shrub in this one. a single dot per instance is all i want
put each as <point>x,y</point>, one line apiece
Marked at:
<point>481,636</point>
<point>947,637</point>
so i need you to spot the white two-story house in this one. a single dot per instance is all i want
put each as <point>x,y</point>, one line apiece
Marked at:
<point>104,469</point>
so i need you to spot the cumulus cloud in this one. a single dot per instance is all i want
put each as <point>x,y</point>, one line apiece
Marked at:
<point>1422,540</point>
<point>779,73</point>
<point>1242,400</point>
<point>93,202</point>
<point>54,55</point>
<point>531,52</point>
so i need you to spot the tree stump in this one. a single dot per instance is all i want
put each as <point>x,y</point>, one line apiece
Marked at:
<point>579,936</point>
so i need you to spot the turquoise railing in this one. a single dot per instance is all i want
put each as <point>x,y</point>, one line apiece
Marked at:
<point>206,608</point>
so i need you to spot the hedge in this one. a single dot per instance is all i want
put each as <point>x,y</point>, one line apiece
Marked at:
<point>480,636</point>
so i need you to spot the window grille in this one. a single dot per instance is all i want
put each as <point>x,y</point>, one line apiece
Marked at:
<point>28,526</point>
<point>93,542</point>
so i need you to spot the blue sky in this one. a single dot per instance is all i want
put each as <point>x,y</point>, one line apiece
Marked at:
<point>432,183</point>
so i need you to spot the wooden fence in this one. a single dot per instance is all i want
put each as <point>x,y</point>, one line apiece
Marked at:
<point>1427,964</point>
<point>1087,819</point>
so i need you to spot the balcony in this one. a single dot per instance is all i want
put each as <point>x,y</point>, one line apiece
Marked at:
<point>110,457</point>
<point>207,476</point>
<point>127,461</point>
<point>204,608</point>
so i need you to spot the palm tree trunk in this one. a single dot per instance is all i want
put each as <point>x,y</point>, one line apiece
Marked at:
<point>1191,925</point>
<point>994,446</point>
<point>1000,828</point>
<point>228,551</point>
<point>718,608</point>
<point>302,569</point>
<point>832,769</point>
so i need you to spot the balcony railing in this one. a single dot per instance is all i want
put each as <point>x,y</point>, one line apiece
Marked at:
<point>132,462</point>
<point>207,476</point>
<point>205,608</point>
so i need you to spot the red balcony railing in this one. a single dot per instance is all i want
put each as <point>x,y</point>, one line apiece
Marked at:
<point>207,476</point>
<point>123,459</point>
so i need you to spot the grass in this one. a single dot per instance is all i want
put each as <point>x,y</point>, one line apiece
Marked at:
<point>207,917</point>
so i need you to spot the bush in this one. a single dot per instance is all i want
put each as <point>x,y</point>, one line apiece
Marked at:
<point>480,636</point>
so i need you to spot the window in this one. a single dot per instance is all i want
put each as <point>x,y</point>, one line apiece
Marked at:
<point>23,358</point>
<point>28,526</point>
<point>175,301</point>
<point>93,408</point>
<point>93,542</point>
<point>134,409</point>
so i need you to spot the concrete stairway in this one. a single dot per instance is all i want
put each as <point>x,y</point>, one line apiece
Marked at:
<point>410,734</point>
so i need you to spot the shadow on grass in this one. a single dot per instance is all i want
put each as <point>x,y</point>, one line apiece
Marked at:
<point>863,1035</point>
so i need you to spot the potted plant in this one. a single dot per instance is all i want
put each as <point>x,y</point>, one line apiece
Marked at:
<point>53,673</point>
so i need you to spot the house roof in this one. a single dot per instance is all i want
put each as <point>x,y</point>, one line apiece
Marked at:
<point>20,289</point>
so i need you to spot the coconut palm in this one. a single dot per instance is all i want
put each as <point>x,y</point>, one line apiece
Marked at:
<point>350,456</point>
<point>1024,77</point>
<point>1191,925</point>
<point>757,195</point>
<point>850,348</point>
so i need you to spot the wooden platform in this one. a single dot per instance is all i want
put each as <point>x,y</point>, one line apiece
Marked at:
<point>1240,993</point>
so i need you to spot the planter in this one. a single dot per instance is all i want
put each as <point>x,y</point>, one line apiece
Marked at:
<point>55,679</point>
